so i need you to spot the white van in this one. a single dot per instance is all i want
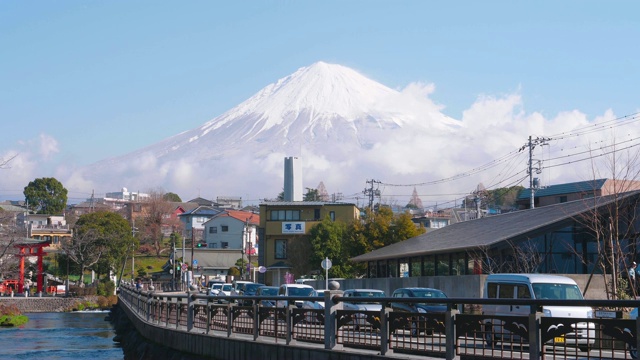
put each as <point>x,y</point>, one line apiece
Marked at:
<point>294,290</point>
<point>536,286</point>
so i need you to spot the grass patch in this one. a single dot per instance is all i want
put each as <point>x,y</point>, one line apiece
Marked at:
<point>13,320</point>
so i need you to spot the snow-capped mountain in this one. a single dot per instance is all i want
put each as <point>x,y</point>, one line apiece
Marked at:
<point>346,128</point>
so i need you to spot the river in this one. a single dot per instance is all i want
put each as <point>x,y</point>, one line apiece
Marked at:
<point>72,335</point>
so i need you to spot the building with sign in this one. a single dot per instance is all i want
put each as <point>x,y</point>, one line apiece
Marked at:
<point>284,222</point>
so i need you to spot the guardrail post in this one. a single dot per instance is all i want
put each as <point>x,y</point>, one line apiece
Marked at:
<point>190,309</point>
<point>289,324</point>
<point>229,319</point>
<point>256,319</point>
<point>149,300</point>
<point>534,334</point>
<point>178,309</point>
<point>450,333</point>
<point>330,318</point>
<point>384,329</point>
<point>637,333</point>
<point>209,310</point>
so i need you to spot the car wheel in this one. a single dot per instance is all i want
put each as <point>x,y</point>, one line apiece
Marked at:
<point>585,348</point>
<point>633,351</point>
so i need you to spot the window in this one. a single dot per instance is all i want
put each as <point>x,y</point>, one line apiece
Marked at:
<point>224,228</point>
<point>214,245</point>
<point>285,215</point>
<point>281,249</point>
<point>506,291</point>
<point>332,215</point>
<point>213,230</point>
<point>224,244</point>
<point>316,214</point>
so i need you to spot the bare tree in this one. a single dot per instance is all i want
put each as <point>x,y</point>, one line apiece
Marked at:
<point>156,218</point>
<point>523,258</point>
<point>614,225</point>
<point>85,248</point>
<point>4,162</point>
<point>10,233</point>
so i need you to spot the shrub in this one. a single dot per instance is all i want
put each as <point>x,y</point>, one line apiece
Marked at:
<point>106,288</point>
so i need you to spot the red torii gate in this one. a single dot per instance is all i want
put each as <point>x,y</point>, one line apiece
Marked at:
<point>31,247</point>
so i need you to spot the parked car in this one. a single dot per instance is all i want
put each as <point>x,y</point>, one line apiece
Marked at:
<point>267,291</point>
<point>238,286</point>
<point>249,290</point>
<point>225,290</point>
<point>362,319</point>
<point>536,286</point>
<point>314,317</point>
<point>215,288</point>
<point>294,290</point>
<point>418,323</point>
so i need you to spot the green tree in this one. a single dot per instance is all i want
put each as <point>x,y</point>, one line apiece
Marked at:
<point>327,239</point>
<point>173,197</point>
<point>46,196</point>
<point>311,195</point>
<point>110,234</point>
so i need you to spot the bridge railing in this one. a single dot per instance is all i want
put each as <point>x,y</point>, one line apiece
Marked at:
<point>463,330</point>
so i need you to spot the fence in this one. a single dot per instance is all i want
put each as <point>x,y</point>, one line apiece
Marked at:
<point>461,331</point>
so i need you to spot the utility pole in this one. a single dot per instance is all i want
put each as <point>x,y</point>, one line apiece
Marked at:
<point>533,183</point>
<point>371,192</point>
<point>133,250</point>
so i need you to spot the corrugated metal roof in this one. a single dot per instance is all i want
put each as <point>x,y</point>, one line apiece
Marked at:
<point>560,189</point>
<point>474,234</point>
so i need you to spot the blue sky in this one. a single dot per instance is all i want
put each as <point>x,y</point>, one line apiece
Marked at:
<point>97,79</point>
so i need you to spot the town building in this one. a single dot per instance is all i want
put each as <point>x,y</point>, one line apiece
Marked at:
<point>557,238</point>
<point>283,223</point>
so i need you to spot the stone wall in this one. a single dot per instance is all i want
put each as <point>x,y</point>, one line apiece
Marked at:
<point>40,304</point>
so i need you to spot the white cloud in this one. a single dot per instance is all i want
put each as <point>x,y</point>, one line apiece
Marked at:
<point>48,146</point>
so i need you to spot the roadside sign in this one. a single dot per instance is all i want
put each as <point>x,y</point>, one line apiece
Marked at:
<point>326,264</point>
<point>262,269</point>
<point>195,262</point>
<point>185,267</point>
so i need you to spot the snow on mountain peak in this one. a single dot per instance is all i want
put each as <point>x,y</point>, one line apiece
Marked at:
<point>319,91</point>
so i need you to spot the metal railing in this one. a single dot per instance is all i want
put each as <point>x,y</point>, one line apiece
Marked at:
<point>461,331</point>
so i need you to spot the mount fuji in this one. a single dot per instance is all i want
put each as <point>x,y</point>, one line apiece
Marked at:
<point>345,127</point>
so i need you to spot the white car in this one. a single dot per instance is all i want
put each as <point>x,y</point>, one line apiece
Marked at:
<point>225,290</point>
<point>294,290</point>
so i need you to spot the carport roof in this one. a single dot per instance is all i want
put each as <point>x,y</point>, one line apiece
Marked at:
<point>474,234</point>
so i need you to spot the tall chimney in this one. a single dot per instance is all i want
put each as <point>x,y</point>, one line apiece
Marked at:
<point>292,179</point>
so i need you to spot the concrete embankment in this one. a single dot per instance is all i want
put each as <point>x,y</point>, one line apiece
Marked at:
<point>136,346</point>
<point>41,304</point>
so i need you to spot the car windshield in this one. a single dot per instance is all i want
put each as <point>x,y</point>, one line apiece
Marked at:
<point>429,294</point>
<point>557,291</point>
<point>368,294</point>
<point>227,287</point>
<point>252,287</point>
<point>301,291</point>
<point>269,291</point>
<point>216,286</point>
